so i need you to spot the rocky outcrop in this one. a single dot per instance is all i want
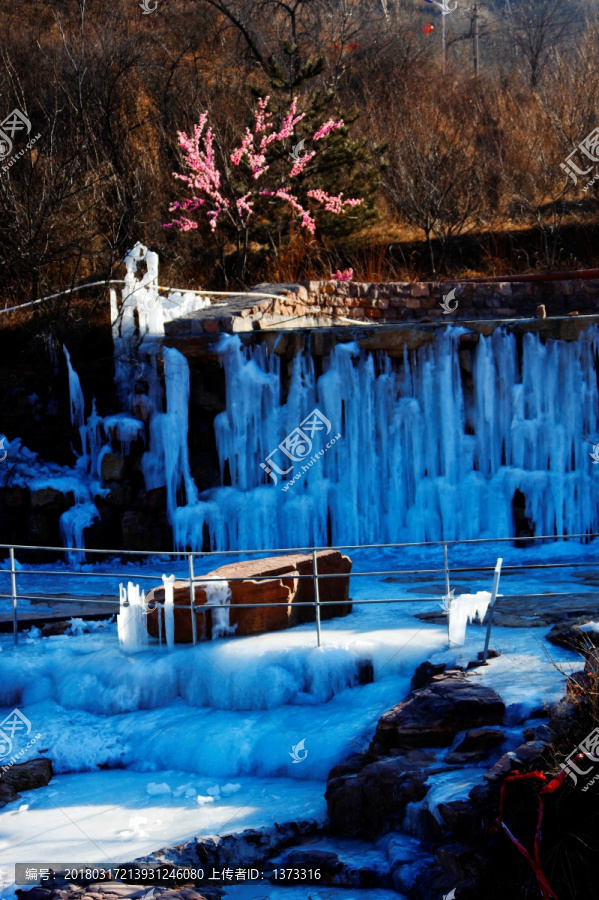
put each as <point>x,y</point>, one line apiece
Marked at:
<point>366,803</point>
<point>252,847</point>
<point>25,776</point>
<point>284,581</point>
<point>570,635</point>
<point>475,745</point>
<point>433,715</point>
<point>368,793</point>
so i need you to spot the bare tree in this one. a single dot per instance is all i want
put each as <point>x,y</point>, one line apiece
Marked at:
<point>536,28</point>
<point>434,176</point>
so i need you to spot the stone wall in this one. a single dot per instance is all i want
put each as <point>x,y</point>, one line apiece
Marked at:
<point>324,303</point>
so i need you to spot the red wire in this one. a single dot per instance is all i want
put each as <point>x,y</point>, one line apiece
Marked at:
<point>547,893</point>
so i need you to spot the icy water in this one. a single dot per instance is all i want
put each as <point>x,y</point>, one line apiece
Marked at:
<point>150,748</point>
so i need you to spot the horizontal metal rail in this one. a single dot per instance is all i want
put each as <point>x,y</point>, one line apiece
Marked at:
<point>289,575</point>
<point>193,581</point>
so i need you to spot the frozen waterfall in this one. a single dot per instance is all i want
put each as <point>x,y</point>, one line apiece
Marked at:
<point>416,450</point>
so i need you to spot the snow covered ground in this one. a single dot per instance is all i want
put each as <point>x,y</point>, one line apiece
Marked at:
<point>150,748</point>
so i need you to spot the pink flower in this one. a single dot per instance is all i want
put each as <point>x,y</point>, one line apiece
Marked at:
<point>287,126</point>
<point>218,196</point>
<point>301,163</point>
<point>346,275</point>
<point>325,129</point>
<point>332,203</point>
<point>243,205</point>
<point>262,116</point>
<point>307,220</point>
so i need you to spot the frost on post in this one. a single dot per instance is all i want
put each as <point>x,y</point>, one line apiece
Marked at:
<point>464,609</point>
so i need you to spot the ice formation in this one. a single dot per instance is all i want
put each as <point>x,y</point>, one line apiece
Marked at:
<point>463,609</point>
<point>77,403</point>
<point>72,524</point>
<point>131,622</point>
<point>449,457</point>
<point>169,609</point>
<point>218,595</point>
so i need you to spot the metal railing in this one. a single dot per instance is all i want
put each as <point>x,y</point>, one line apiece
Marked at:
<point>195,580</point>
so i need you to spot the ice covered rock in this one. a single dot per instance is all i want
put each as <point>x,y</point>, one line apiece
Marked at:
<point>154,789</point>
<point>433,715</point>
<point>574,636</point>
<point>229,788</point>
<point>364,804</point>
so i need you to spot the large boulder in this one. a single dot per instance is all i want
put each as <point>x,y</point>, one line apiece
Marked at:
<point>281,587</point>
<point>366,803</point>
<point>328,562</point>
<point>433,715</point>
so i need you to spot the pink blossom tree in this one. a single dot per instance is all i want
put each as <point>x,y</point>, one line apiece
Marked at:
<point>234,190</point>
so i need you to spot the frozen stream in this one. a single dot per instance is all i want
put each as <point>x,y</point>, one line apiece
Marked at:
<point>150,748</point>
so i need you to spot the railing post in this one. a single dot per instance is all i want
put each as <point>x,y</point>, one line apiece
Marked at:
<point>316,596</point>
<point>448,601</point>
<point>192,599</point>
<point>13,588</point>
<point>491,605</point>
<point>446,565</point>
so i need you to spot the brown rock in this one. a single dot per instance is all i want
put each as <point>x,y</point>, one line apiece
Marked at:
<point>112,467</point>
<point>351,766</point>
<point>52,628</point>
<point>23,777</point>
<point>281,587</point>
<point>480,739</point>
<point>477,743</point>
<point>366,803</point>
<point>433,715</point>
<point>458,815</point>
<point>139,530</point>
<point>569,635</point>
<point>258,620</point>
<point>328,562</point>
<point>183,628</point>
<point>424,674</point>
<point>522,756</point>
<point>51,499</point>
<point>491,654</point>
